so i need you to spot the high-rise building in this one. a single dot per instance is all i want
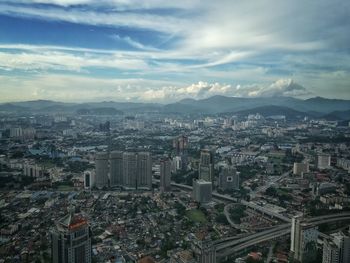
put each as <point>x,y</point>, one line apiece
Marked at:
<point>336,248</point>
<point>137,170</point>
<point>202,191</point>
<point>300,168</point>
<point>180,144</point>
<point>205,251</point>
<point>165,175</point>
<point>144,170</point>
<point>71,240</point>
<point>323,161</point>
<point>89,179</point>
<point>229,178</point>
<point>330,252</point>
<point>116,168</point>
<point>101,162</point>
<point>303,240</point>
<point>130,170</point>
<point>206,166</point>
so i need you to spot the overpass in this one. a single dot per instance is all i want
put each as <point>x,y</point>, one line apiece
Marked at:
<point>228,198</point>
<point>228,246</point>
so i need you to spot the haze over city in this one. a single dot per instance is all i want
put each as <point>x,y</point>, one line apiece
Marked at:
<point>165,51</point>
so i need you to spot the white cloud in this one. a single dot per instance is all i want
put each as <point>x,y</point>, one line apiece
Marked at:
<point>280,88</point>
<point>54,60</point>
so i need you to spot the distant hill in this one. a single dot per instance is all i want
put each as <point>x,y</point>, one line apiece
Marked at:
<point>337,115</point>
<point>99,111</point>
<point>267,111</point>
<point>317,107</point>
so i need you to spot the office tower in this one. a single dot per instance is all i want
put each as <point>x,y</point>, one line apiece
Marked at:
<point>101,162</point>
<point>180,144</point>
<point>165,175</point>
<point>205,251</point>
<point>323,161</point>
<point>130,170</point>
<point>229,178</point>
<point>71,240</point>
<point>300,168</point>
<point>303,240</point>
<point>116,168</point>
<point>330,252</point>
<point>206,166</point>
<point>89,179</point>
<point>202,191</point>
<point>144,170</point>
<point>336,248</point>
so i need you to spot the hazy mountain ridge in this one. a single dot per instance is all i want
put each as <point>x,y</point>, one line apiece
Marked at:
<point>330,108</point>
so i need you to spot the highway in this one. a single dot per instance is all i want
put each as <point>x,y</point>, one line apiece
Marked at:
<point>225,247</point>
<point>243,202</point>
<point>230,245</point>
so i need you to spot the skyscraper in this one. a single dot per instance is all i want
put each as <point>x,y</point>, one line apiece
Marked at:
<point>165,175</point>
<point>205,251</point>
<point>89,179</point>
<point>336,248</point>
<point>71,240</point>
<point>130,170</point>
<point>116,168</point>
<point>180,144</point>
<point>101,162</point>
<point>206,166</point>
<point>229,178</point>
<point>303,240</point>
<point>202,191</point>
<point>144,170</point>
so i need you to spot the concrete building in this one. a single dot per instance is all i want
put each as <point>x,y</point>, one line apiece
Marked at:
<point>303,240</point>
<point>101,162</point>
<point>206,166</point>
<point>202,191</point>
<point>130,170</point>
<point>180,144</point>
<point>144,170</point>
<point>71,240</point>
<point>300,168</point>
<point>137,170</point>
<point>116,168</point>
<point>165,175</point>
<point>205,251</point>
<point>336,248</point>
<point>330,252</point>
<point>89,179</point>
<point>323,161</point>
<point>229,178</point>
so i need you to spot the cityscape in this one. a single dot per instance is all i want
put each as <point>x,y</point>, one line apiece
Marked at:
<point>186,132</point>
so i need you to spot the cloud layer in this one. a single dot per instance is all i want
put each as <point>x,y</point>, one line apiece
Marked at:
<point>159,48</point>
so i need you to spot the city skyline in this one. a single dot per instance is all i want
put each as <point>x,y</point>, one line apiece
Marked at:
<point>155,51</point>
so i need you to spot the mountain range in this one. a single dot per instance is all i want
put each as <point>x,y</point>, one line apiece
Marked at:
<point>331,109</point>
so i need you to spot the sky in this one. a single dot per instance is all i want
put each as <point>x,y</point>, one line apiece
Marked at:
<point>164,51</point>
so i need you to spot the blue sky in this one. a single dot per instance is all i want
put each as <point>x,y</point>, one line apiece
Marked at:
<point>164,51</point>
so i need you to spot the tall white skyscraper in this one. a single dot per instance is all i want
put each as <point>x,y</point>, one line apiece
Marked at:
<point>116,168</point>
<point>101,162</point>
<point>165,175</point>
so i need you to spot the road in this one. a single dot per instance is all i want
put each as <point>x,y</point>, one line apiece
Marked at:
<point>228,216</point>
